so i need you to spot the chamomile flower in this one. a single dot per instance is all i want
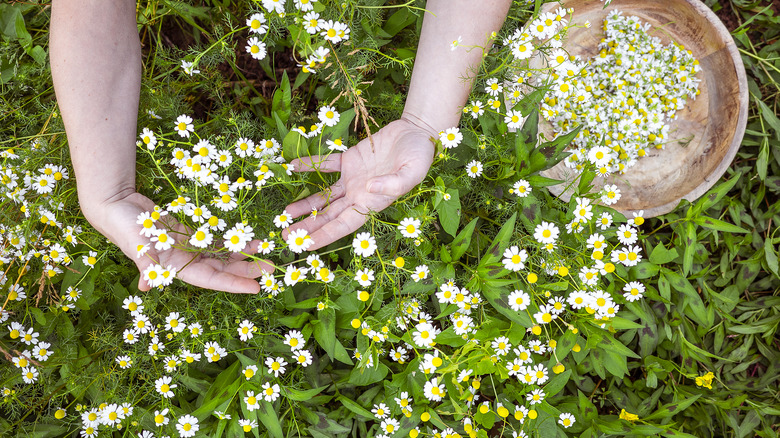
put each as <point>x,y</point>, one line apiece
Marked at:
<point>381,411</point>
<point>334,31</point>
<point>474,169</point>
<point>184,126</point>
<point>364,277</point>
<point>626,234</point>
<point>195,329</point>
<point>546,232</point>
<point>633,291</point>
<point>521,188</point>
<point>493,87</point>
<point>329,116</point>
<point>566,420</point>
<point>256,23</point>
<point>187,426</point>
<point>421,272</point>
<point>389,426</point>
<point>164,387</point>
<point>604,221</point>
<point>535,397</point>
<point>476,109</point>
<point>201,238</point>
<point>276,365</point>
<point>583,211</point>
<point>294,274</point>
<point>124,362</point>
<point>336,145</point>
<point>610,194</point>
<point>302,357</point>
<point>501,345</point>
<point>410,227</point>
<point>433,390</point>
<point>519,300</point>
<point>256,48</point>
<point>299,241</point>
<point>271,392</point>
<point>29,374</point>
<point>425,335</point>
<point>451,138</point>
<point>170,363</point>
<point>514,119</point>
<point>246,330</point>
<point>364,244</point>
<point>283,220</point>
<point>514,258</point>
<point>148,139</point>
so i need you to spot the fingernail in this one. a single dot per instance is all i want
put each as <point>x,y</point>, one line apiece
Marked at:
<point>375,187</point>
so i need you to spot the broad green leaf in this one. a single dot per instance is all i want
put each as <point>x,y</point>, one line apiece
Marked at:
<point>616,364</point>
<point>671,409</point>
<point>556,383</point>
<point>225,386</point>
<point>325,335</point>
<point>690,247</point>
<point>341,130</point>
<point>661,255</point>
<point>294,146</point>
<point>267,416</point>
<point>770,255</point>
<point>356,408</point>
<point>398,21</point>
<point>586,406</point>
<point>497,298</point>
<point>624,324</point>
<point>449,211</point>
<point>770,117</point>
<point>463,240</point>
<point>715,194</point>
<point>368,375</point>
<point>302,395</point>
<point>719,225</point>
<point>499,244</point>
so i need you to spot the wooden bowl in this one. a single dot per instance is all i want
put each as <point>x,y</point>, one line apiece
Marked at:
<point>705,136</point>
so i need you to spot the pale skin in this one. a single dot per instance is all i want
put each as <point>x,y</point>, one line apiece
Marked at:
<point>96,66</point>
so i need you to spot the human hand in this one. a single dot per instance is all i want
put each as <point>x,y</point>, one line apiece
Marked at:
<point>371,180</point>
<point>117,221</point>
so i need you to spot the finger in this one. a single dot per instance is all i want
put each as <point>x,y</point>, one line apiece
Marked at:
<point>314,223</point>
<point>209,277</point>
<point>246,269</point>
<point>142,263</point>
<point>251,248</point>
<point>395,185</point>
<point>319,163</point>
<point>317,200</point>
<point>345,223</point>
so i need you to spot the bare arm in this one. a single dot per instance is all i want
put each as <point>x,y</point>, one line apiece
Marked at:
<point>372,178</point>
<point>442,77</point>
<point>96,66</point>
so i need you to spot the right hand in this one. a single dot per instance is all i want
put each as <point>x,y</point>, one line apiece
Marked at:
<point>117,221</point>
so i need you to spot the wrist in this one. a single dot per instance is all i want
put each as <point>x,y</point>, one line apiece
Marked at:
<point>420,123</point>
<point>94,203</point>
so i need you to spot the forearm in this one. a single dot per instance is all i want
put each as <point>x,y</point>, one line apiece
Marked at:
<point>442,77</point>
<point>96,67</point>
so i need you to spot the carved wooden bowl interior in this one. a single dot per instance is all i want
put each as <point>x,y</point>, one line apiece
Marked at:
<point>706,135</point>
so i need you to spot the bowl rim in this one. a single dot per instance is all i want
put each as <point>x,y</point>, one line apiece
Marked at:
<point>715,175</point>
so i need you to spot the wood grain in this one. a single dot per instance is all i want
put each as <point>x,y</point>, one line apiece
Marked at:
<point>714,122</point>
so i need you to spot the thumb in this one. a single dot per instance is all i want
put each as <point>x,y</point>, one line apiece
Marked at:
<point>393,185</point>
<point>142,264</point>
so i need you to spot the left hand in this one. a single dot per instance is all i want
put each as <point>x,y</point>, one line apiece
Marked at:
<point>371,180</point>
